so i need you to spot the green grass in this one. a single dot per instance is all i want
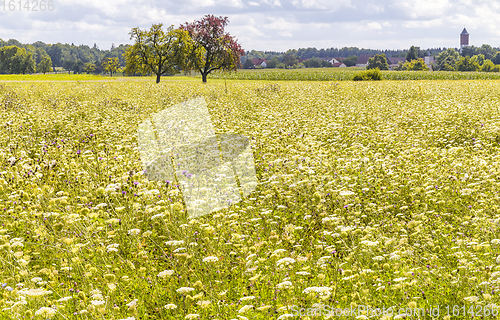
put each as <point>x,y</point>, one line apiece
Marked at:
<point>346,74</point>
<point>53,77</point>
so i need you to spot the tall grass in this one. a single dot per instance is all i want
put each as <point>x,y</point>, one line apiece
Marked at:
<point>52,77</point>
<point>343,74</point>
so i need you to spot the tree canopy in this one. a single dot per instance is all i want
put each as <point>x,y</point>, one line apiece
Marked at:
<point>379,61</point>
<point>446,60</point>
<point>213,48</point>
<point>414,53</point>
<point>467,64</point>
<point>16,60</point>
<point>45,65</point>
<point>158,52</point>
<point>110,65</point>
<point>415,65</point>
<point>350,61</point>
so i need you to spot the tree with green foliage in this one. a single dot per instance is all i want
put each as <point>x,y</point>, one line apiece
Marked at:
<point>78,66</point>
<point>350,61</point>
<point>89,67</point>
<point>325,64</point>
<point>68,65</point>
<point>479,58</point>
<point>45,65</point>
<point>289,59</point>
<point>496,58</point>
<point>467,64</point>
<point>213,48</point>
<point>379,61</point>
<point>14,59</point>
<point>489,66</point>
<point>55,53</point>
<point>273,63</point>
<point>416,65</point>
<point>468,51</point>
<point>446,60</point>
<point>312,63</point>
<point>487,51</point>
<point>156,51</point>
<point>414,53</point>
<point>248,64</point>
<point>111,65</point>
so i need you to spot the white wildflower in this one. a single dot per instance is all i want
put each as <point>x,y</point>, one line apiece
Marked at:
<point>134,232</point>
<point>166,273</point>
<point>285,261</point>
<point>132,303</point>
<point>184,290</point>
<point>284,285</point>
<point>210,259</point>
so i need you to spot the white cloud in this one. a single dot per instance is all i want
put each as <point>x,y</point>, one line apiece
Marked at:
<point>374,26</point>
<point>322,4</point>
<point>423,23</point>
<point>416,9</point>
<point>373,8</point>
<point>269,24</point>
<point>285,34</point>
<point>282,25</point>
<point>273,3</point>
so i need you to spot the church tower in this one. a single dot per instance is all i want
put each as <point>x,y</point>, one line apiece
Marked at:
<point>464,39</point>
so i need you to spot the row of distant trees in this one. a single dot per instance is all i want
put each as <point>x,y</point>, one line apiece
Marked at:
<point>484,58</point>
<point>202,45</point>
<point>289,59</point>
<point>451,60</point>
<point>73,58</point>
<point>448,60</point>
<point>16,60</point>
<point>308,53</point>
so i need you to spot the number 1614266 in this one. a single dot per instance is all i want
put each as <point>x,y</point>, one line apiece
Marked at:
<point>27,5</point>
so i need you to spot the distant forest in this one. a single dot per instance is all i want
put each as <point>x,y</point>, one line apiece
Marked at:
<point>334,53</point>
<point>78,58</point>
<point>69,56</point>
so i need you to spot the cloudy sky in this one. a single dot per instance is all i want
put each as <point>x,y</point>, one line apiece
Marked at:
<point>273,25</point>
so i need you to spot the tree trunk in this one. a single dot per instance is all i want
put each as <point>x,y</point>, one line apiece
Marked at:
<point>158,78</point>
<point>204,77</point>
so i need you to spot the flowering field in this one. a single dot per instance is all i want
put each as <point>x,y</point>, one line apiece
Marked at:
<point>343,74</point>
<point>370,195</point>
<point>52,77</point>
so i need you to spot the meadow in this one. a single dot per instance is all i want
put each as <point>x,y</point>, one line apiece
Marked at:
<point>371,195</point>
<point>346,74</point>
<point>53,77</point>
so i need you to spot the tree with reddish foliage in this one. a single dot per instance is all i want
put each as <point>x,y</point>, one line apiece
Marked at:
<point>213,48</point>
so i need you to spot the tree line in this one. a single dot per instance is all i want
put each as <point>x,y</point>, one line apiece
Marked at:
<point>16,57</point>
<point>447,60</point>
<point>470,58</point>
<point>202,45</point>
